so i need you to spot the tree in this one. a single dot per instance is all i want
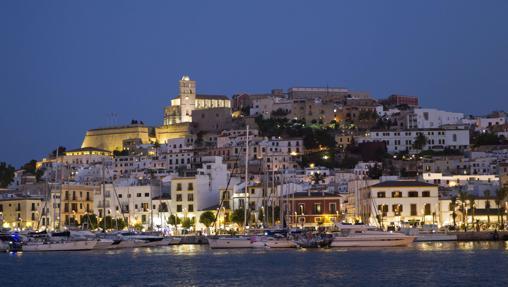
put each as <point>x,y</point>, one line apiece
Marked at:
<point>463,198</point>
<point>420,141</point>
<point>487,206</point>
<point>173,220</point>
<point>454,207</point>
<point>238,216</point>
<point>6,174</point>
<point>187,222</point>
<point>117,223</point>
<point>317,177</point>
<point>207,218</point>
<point>31,168</point>
<point>89,221</point>
<point>375,171</point>
<point>480,139</point>
<point>500,200</point>
<point>472,207</point>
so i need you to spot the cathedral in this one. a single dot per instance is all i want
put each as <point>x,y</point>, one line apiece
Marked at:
<point>180,110</point>
<point>177,120</point>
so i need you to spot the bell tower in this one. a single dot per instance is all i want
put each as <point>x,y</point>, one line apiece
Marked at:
<point>187,98</point>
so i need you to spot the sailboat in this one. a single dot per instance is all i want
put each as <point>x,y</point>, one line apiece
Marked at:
<point>241,241</point>
<point>59,241</point>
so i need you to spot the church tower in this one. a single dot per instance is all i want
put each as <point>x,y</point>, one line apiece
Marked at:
<point>180,110</point>
<point>187,98</point>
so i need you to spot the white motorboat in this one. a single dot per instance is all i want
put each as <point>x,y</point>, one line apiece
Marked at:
<point>70,245</point>
<point>230,242</point>
<point>366,236</point>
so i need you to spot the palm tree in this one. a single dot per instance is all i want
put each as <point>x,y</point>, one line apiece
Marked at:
<point>500,200</point>
<point>472,206</point>
<point>486,194</point>
<point>454,207</point>
<point>463,198</point>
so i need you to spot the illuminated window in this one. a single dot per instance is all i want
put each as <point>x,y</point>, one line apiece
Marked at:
<point>396,194</point>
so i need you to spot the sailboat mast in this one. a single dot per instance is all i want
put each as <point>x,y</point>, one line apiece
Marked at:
<point>272,193</point>
<point>245,203</point>
<point>103,199</point>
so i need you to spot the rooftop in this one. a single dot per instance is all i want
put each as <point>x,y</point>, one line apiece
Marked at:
<point>314,194</point>
<point>403,183</point>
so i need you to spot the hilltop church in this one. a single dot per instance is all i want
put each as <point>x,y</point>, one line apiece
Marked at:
<point>187,101</point>
<point>189,112</point>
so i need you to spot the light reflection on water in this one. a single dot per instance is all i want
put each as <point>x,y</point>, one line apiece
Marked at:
<point>436,263</point>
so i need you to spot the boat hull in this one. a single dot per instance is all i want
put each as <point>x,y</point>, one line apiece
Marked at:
<point>372,242</point>
<point>60,246</point>
<point>435,237</point>
<point>281,244</point>
<point>226,243</point>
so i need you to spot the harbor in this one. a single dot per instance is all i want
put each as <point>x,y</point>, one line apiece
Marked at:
<point>436,264</point>
<point>341,235</point>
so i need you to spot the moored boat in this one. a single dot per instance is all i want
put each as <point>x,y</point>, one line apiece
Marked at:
<point>70,245</point>
<point>366,236</point>
<point>230,242</point>
<point>273,242</point>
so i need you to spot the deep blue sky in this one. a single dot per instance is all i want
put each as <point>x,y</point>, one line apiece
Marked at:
<point>66,65</point>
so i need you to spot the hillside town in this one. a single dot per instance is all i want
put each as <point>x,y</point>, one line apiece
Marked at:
<point>305,157</point>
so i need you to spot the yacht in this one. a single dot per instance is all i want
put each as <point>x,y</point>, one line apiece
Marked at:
<point>231,242</point>
<point>367,236</point>
<point>10,242</point>
<point>59,241</point>
<point>67,245</point>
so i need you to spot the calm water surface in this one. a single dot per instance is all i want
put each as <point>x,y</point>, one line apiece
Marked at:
<point>429,264</point>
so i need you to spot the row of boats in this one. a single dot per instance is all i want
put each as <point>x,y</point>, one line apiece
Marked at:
<point>81,240</point>
<point>347,236</point>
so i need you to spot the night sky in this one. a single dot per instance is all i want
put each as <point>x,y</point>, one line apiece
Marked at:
<point>66,66</point>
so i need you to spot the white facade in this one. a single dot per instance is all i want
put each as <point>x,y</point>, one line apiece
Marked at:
<point>433,118</point>
<point>457,180</point>
<point>402,141</point>
<point>128,201</point>
<point>399,202</point>
<point>191,195</point>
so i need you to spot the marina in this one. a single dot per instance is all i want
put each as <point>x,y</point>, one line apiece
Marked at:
<point>435,264</point>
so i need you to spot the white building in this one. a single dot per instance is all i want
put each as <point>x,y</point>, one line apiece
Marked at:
<point>458,180</point>
<point>193,194</point>
<point>402,141</point>
<point>404,202</point>
<point>432,118</point>
<point>129,201</point>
